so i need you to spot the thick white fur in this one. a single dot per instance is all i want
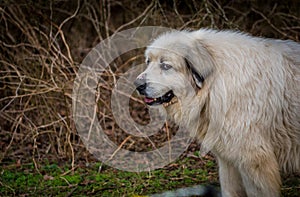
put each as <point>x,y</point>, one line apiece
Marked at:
<point>247,112</point>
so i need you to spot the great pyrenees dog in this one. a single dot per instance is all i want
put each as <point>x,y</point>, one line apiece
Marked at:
<point>238,95</point>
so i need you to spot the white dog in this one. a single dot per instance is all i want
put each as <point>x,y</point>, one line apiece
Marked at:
<point>239,95</point>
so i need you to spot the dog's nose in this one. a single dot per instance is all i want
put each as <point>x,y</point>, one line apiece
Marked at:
<point>142,88</point>
<point>140,85</point>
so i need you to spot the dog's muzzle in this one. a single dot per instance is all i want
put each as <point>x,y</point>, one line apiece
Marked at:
<point>166,99</point>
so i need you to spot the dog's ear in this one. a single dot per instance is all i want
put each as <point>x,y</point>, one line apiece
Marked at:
<point>197,77</point>
<point>200,62</point>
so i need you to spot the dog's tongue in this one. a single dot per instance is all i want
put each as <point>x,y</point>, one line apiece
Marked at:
<point>148,100</point>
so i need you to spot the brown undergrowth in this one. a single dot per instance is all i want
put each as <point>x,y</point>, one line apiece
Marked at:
<point>42,44</point>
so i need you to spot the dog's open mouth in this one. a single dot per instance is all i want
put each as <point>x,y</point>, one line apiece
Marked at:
<point>166,99</point>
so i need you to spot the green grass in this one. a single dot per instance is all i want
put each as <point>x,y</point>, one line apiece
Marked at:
<point>55,180</point>
<point>59,180</point>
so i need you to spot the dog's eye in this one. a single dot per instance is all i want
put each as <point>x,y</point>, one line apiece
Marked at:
<point>165,66</point>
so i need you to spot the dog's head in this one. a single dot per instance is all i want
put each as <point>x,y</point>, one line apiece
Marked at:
<point>177,67</point>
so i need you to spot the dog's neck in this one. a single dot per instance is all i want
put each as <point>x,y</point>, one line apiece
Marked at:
<point>185,113</point>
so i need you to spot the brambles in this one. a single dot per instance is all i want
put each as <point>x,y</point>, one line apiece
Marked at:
<point>43,43</point>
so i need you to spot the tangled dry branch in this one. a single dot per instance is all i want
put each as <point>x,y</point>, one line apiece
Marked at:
<point>42,44</point>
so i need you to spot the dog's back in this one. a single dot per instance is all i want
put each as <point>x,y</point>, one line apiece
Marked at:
<point>286,138</point>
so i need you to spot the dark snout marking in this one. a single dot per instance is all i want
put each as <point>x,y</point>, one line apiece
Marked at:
<point>140,84</point>
<point>142,89</point>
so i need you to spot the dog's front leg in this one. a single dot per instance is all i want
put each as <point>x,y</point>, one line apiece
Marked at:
<point>261,176</point>
<point>230,179</point>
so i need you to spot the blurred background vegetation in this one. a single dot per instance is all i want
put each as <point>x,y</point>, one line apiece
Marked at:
<point>42,44</point>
